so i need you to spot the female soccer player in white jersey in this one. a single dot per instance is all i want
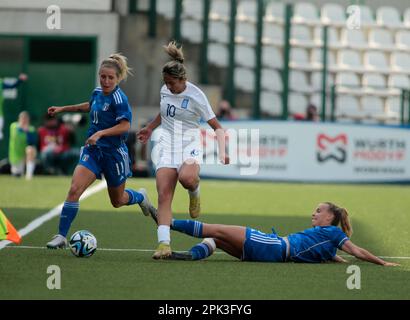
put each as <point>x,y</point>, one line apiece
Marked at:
<point>105,151</point>
<point>182,106</point>
<point>331,230</point>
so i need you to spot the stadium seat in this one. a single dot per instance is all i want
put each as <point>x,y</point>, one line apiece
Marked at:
<point>376,61</point>
<point>192,9</point>
<point>388,17</point>
<point>300,35</point>
<point>317,61</point>
<point>299,59</point>
<point>381,39</point>
<point>305,13</point>
<point>348,82</point>
<point>244,79</point>
<point>332,37</point>
<point>272,34</point>
<point>218,31</point>
<point>298,82</point>
<point>316,99</point>
<point>353,38</point>
<point>366,16</point>
<point>247,11</point>
<point>275,12</point>
<point>191,30</point>
<point>218,54</point>
<point>245,32</point>
<point>400,62</point>
<point>271,103</point>
<point>272,57</point>
<point>348,106</point>
<point>403,39</point>
<point>219,10</point>
<point>406,18</point>
<point>333,14</point>
<point>399,81</point>
<point>393,105</point>
<point>375,84</point>
<point>245,56</point>
<point>316,80</point>
<point>271,80</point>
<point>297,103</point>
<point>373,107</point>
<point>166,8</point>
<point>350,60</point>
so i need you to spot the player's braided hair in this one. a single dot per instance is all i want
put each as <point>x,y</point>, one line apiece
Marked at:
<point>118,62</point>
<point>175,68</point>
<point>341,217</point>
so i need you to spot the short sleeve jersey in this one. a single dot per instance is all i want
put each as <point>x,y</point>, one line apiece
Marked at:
<point>106,111</point>
<point>316,244</point>
<point>181,113</point>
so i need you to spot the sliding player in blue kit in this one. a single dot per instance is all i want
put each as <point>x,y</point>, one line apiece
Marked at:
<point>314,245</point>
<point>105,151</point>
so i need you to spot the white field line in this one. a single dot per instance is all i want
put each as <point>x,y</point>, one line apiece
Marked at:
<point>36,223</point>
<point>151,250</point>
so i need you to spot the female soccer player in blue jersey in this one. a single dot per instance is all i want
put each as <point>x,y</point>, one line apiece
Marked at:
<point>105,151</point>
<point>317,244</point>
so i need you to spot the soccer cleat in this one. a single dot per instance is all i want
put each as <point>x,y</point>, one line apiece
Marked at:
<point>163,251</point>
<point>186,256</point>
<point>146,205</point>
<point>194,205</point>
<point>58,241</point>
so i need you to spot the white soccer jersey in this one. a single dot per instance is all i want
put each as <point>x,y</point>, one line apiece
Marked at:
<point>180,117</point>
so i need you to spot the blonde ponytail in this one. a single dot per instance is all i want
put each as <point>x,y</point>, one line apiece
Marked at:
<point>345,222</point>
<point>119,63</point>
<point>341,217</point>
<point>175,68</point>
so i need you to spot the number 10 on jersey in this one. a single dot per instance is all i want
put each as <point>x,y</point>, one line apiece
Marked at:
<point>171,110</point>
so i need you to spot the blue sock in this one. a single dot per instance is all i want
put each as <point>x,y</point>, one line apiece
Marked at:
<point>134,196</point>
<point>67,216</point>
<point>193,228</point>
<point>200,251</point>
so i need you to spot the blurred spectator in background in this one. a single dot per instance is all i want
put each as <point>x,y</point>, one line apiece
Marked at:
<point>225,111</point>
<point>22,77</point>
<point>22,149</point>
<point>55,145</point>
<point>311,114</point>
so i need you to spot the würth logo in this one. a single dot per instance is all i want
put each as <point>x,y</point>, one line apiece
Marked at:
<point>331,148</point>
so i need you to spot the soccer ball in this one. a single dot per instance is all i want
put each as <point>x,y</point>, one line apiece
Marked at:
<point>83,243</point>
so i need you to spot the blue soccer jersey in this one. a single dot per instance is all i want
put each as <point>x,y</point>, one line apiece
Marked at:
<point>316,244</point>
<point>106,112</point>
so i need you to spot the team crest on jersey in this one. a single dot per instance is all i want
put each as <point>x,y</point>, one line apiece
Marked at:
<point>184,104</point>
<point>195,152</point>
<point>85,157</point>
<point>106,106</point>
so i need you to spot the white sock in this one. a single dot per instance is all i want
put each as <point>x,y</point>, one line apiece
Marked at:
<point>30,166</point>
<point>164,235</point>
<point>194,193</point>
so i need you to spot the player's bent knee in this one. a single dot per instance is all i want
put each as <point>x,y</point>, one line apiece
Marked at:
<point>116,204</point>
<point>189,182</point>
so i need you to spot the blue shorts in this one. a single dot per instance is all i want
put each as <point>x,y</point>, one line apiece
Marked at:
<point>113,163</point>
<point>265,247</point>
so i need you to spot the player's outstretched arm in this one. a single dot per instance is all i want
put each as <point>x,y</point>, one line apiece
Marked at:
<point>220,138</point>
<point>365,255</point>
<point>82,107</point>
<point>339,259</point>
<point>145,133</point>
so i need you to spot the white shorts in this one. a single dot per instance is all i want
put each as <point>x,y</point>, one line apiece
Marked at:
<point>169,159</point>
